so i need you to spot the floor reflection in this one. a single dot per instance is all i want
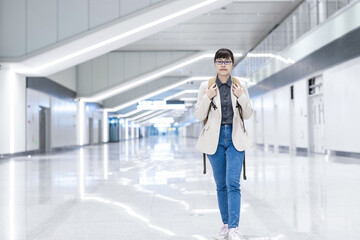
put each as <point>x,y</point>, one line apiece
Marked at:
<point>154,188</point>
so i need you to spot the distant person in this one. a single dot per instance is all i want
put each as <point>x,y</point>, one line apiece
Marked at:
<point>224,138</point>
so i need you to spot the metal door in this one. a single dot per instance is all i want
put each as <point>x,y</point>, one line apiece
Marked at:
<point>44,130</point>
<point>317,124</point>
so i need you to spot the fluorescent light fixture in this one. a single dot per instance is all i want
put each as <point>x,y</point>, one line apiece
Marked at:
<point>162,120</point>
<point>124,35</point>
<point>132,84</point>
<point>141,115</point>
<point>122,106</point>
<point>128,114</point>
<point>154,75</point>
<point>200,78</point>
<point>157,113</point>
<point>153,113</point>
<point>151,102</point>
<point>270,55</point>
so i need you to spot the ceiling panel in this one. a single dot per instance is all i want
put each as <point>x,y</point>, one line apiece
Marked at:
<point>238,26</point>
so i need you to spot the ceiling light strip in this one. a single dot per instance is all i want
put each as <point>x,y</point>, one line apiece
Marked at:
<point>126,34</point>
<point>153,76</point>
<point>141,115</point>
<point>148,95</point>
<point>135,83</point>
<point>152,115</point>
<point>128,114</point>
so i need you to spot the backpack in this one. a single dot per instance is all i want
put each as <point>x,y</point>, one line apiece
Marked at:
<point>238,106</point>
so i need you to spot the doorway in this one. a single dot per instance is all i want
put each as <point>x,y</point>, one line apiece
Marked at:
<point>317,127</point>
<point>44,130</point>
<point>316,115</point>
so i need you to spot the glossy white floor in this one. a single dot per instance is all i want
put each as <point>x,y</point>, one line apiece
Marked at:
<point>154,189</point>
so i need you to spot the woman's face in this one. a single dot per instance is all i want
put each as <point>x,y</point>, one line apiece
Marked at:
<point>223,66</point>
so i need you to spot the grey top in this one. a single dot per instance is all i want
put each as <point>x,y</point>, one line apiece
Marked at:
<point>226,106</point>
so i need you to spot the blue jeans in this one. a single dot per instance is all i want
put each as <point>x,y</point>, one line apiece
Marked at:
<point>227,164</point>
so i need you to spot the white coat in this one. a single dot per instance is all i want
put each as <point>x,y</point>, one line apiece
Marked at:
<point>209,136</point>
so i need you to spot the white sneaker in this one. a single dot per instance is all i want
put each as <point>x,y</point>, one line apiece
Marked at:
<point>223,234</point>
<point>234,234</point>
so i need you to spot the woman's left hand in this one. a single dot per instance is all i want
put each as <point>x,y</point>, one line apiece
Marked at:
<point>237,90</point>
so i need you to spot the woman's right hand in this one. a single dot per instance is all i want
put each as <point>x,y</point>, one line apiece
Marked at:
<point>211,92</point>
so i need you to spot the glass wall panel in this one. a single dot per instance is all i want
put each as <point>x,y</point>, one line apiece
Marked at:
<point>307,16</point>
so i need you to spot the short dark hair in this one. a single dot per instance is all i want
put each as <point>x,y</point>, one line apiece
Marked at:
<point>224,53</point>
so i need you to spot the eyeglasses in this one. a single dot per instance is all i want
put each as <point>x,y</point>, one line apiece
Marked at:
<point>226,62</point>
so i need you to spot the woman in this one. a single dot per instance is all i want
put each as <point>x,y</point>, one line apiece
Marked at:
<point>224,138</point>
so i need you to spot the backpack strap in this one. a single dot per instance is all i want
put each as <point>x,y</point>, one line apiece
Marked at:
<point>211,81</point>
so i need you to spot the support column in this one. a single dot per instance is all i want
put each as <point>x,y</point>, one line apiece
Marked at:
<point>126,129</point>
<point>12,112</point>
<point>132,130</point>
<point>81,123</point>
<point>105,137</point>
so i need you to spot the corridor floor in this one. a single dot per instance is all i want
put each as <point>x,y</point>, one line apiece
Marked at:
<point>153,188</point>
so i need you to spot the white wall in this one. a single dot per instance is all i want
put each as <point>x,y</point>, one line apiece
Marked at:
<point>12,112</point>
<point>269,114</point>
<point>117,67</point>
<point>257,118</point>
<point>63,120</point>
<point>282,96</point>
<point>66,78</point>
<point>341,107</point>
<point>271,123</point>
<point>97,115</point>
<point>301,114</point>
<point>342,114</point>
<point>35,99</point>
